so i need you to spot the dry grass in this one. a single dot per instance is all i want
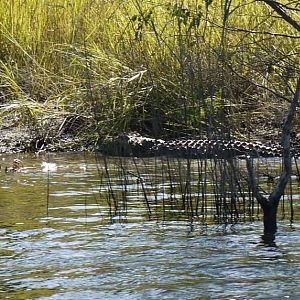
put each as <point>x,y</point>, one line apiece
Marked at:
<point>161,68</point>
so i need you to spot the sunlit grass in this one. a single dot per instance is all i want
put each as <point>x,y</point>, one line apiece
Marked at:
<point>144,65</point>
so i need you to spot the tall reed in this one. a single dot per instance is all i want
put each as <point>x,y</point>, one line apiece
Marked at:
<point>180,67</point>
<point>208,191</point>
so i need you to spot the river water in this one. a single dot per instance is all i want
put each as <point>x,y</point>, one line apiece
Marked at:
<point>61,237</point>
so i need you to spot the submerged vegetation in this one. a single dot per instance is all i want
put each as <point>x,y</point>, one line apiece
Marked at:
<point>98,68</point>
<point>205,191</point>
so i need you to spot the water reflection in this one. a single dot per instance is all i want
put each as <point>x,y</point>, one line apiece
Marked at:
<point>68,248</point>
<point>152,260</point>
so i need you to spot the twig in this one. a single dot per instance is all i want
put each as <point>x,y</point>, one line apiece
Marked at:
<point>287,164</point>
<point>278,8</point>
<point>285,142</point>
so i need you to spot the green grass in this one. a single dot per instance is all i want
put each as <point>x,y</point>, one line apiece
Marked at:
<point>179,67</point>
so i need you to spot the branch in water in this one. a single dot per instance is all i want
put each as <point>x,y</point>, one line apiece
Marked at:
<point>253,183</point>
<point>285,142</point>
<point>287,162</point>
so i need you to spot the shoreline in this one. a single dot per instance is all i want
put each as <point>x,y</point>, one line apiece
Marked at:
<point>22,139</point>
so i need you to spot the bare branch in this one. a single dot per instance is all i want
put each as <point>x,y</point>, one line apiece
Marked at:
<point>275,93</point>
<point>285,142</point>
<point>254,31</point>
<point>287,162</point>
<point>278,8</point>
<point>286,6</point>
<point>253,183</point>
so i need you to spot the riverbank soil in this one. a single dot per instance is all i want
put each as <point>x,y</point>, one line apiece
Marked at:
<point>55,135</point>
<point>62,136</point>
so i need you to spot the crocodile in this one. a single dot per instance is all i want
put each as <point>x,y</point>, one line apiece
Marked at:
<point>134,144</point>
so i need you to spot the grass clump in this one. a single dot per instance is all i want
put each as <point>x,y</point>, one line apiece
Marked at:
<point>205,68</point>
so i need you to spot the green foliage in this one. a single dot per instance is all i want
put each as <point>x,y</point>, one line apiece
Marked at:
<point>178,67</point>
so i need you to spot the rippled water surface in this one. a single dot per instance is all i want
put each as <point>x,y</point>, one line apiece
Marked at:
<point>59,241</point>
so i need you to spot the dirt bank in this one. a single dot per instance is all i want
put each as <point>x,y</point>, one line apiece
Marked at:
<point>25,139</point>
<point>17,139</point>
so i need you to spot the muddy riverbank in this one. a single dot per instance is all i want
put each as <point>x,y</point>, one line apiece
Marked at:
<point>20,139</point>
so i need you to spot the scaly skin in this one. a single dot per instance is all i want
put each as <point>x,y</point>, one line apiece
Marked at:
<point>134,144</point>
